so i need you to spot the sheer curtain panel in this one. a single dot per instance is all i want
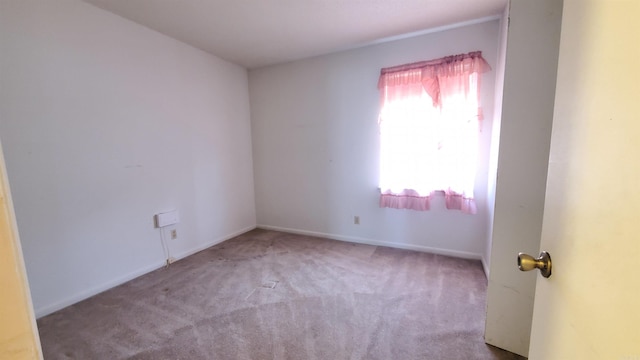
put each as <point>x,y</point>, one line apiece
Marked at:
<point>429,127</point>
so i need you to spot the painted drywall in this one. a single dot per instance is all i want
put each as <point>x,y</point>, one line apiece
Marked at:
<point>525,135</point>
<point>105,123</point>
<point>18,333</point>
<point>315,146</point>
<point>495,134</point>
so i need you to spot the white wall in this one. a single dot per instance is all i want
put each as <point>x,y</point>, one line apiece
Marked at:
<point>495,134</point>
<point>525,135</point>
<point>105,123</point>
<point>315,146</point>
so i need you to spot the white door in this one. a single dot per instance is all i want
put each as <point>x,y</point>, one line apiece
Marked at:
<point>590,306</point>
<point>525,131</point>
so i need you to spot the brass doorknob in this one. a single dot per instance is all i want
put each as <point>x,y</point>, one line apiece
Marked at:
<point>528,262</point>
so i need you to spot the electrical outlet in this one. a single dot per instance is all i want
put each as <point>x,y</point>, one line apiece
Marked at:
<point>174,234</point>
<point>356,220</point>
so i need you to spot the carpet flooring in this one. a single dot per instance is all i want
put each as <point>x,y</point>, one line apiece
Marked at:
<point>273,295</point>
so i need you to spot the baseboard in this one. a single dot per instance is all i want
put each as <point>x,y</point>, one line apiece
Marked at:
<point>46,310</point>
<point>215,242</point>
<point>360,240</point>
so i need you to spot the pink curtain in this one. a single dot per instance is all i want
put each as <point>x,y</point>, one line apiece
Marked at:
<point>429,124</point>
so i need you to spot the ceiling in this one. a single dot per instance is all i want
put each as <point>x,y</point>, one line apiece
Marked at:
<point>256,33</point>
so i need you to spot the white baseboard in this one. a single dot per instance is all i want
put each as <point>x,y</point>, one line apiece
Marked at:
<point>360,240</point>
<point>48,309</point>
<point>215,242</point>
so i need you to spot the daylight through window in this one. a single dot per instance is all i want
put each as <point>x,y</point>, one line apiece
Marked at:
<point>429,128</point>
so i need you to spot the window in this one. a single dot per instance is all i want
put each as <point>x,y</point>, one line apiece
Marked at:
<point>429,127</point>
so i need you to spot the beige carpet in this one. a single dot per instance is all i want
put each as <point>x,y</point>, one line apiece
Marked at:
<point>272,295</point>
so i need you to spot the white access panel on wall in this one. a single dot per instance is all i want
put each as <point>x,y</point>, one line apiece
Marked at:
<point>166,218</point>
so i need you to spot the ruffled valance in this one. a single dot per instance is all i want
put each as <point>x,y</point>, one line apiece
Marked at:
<point>399,81</point>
